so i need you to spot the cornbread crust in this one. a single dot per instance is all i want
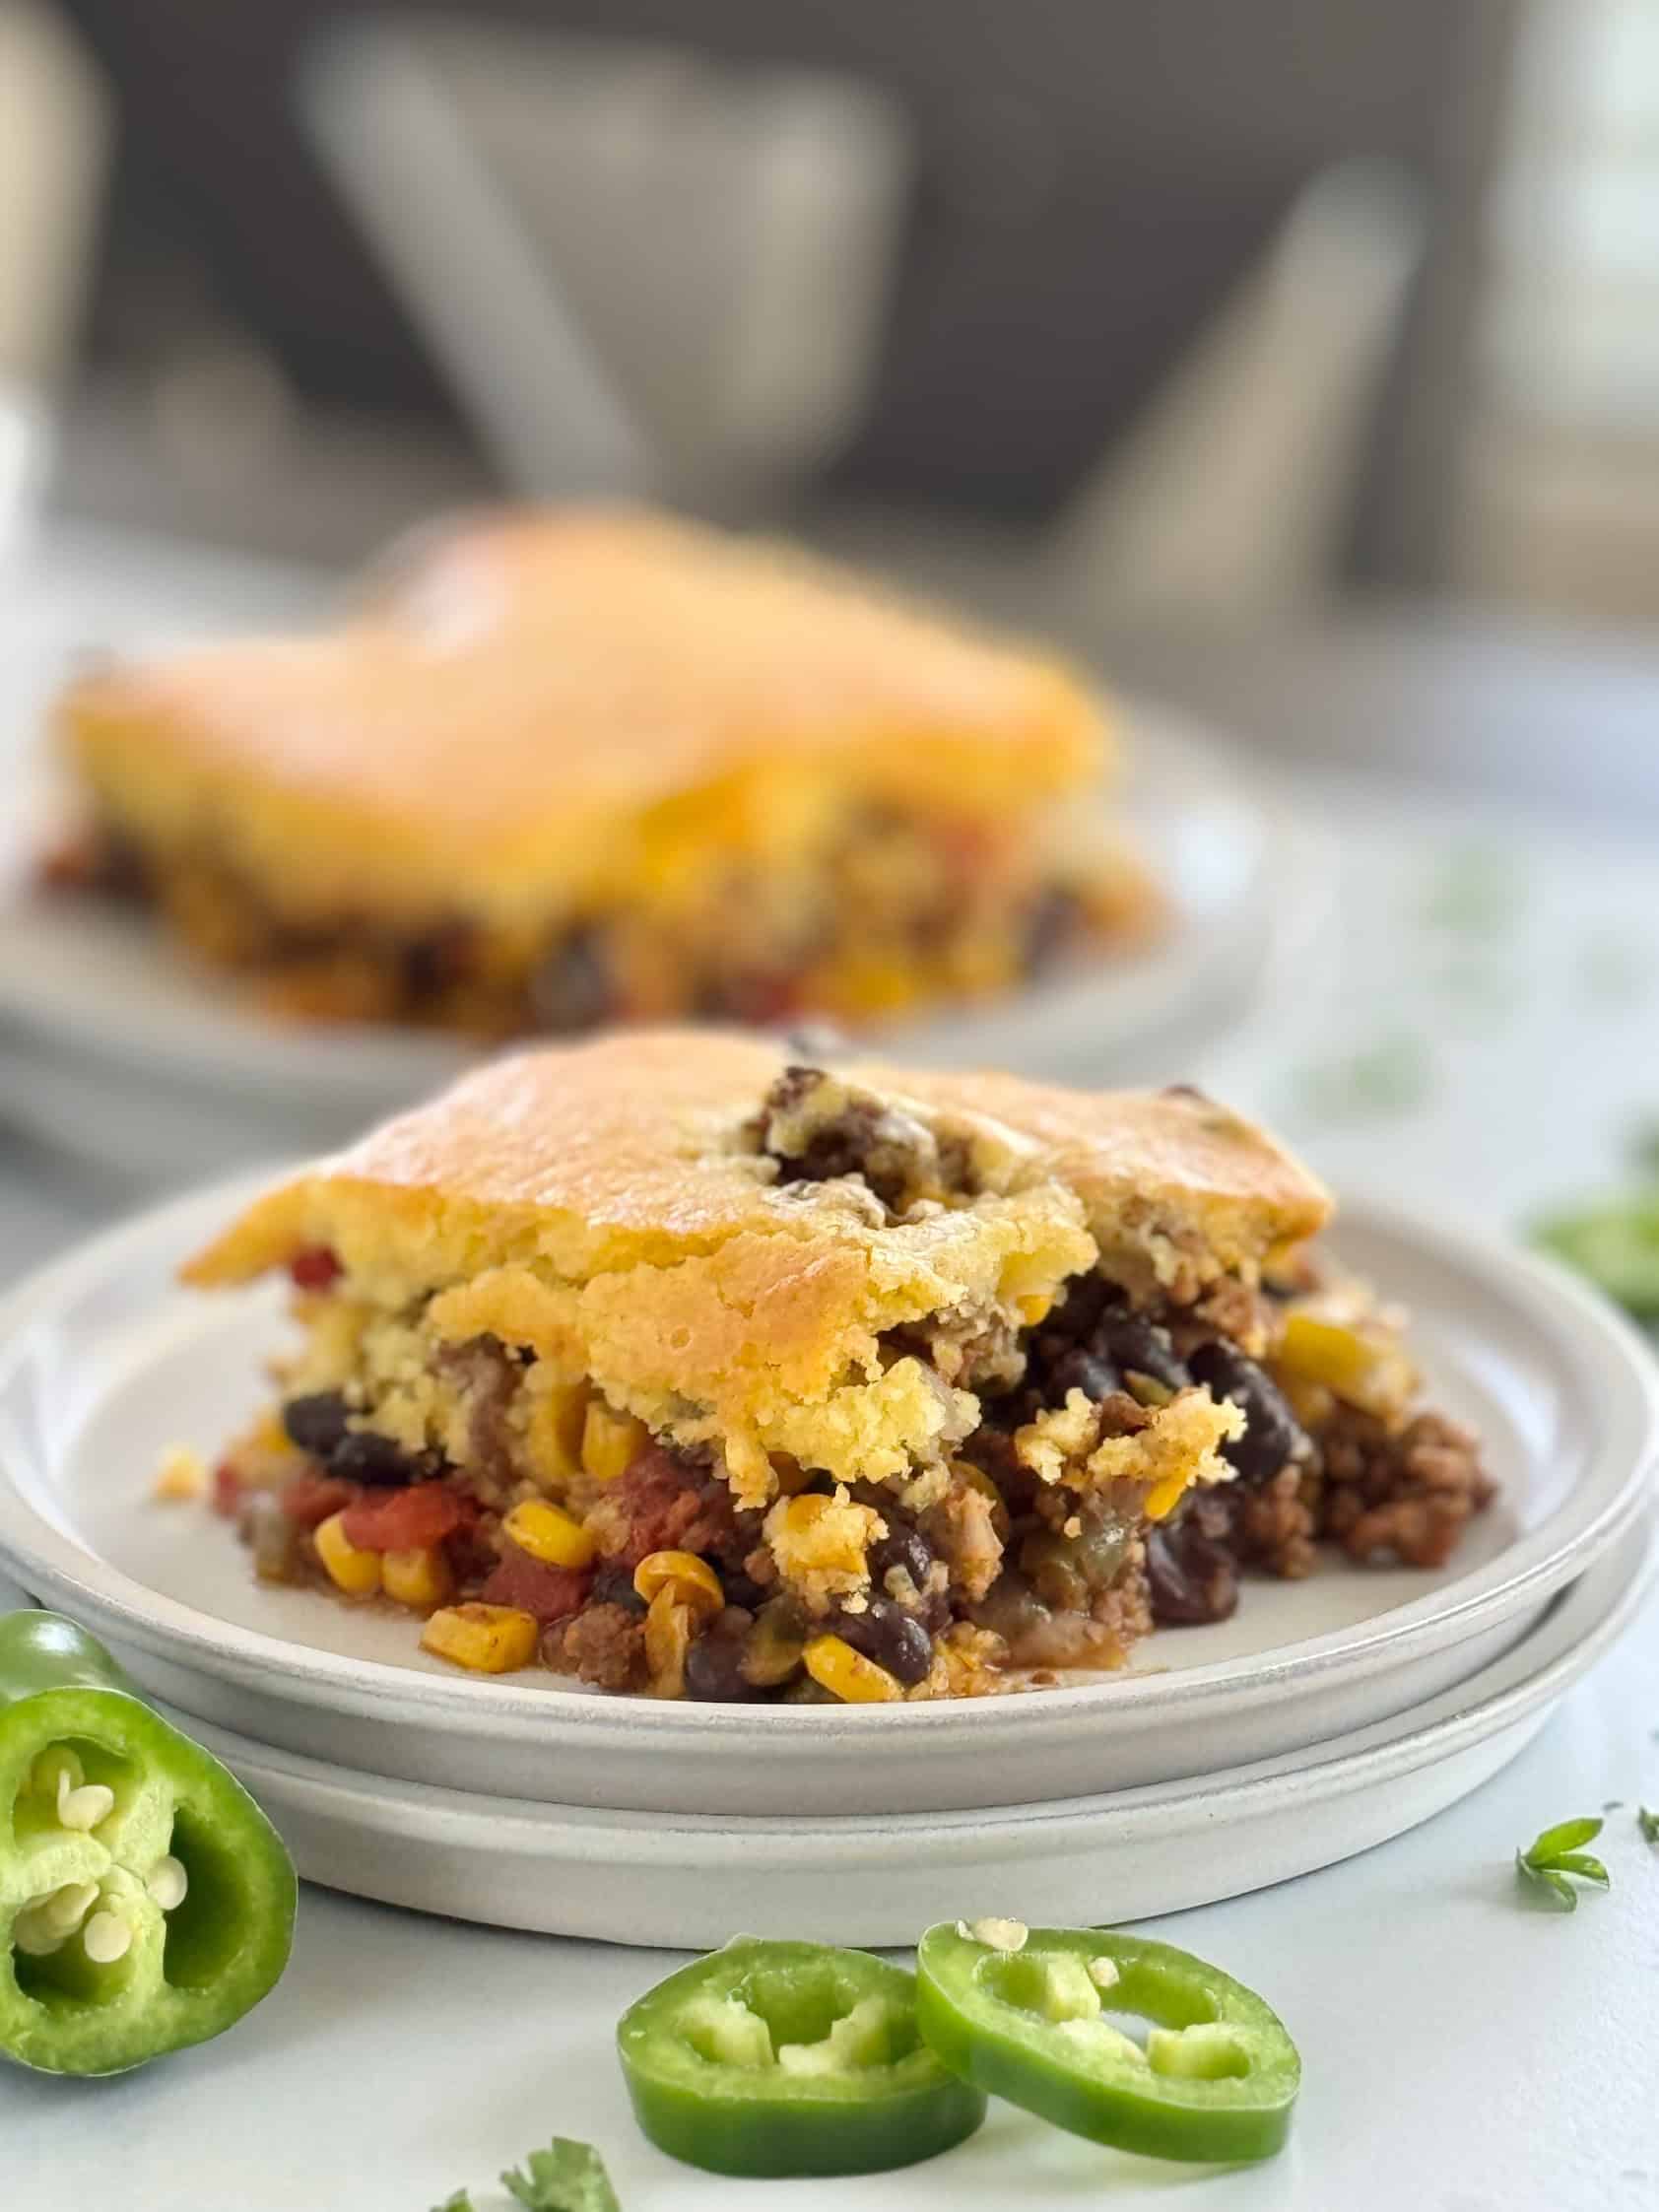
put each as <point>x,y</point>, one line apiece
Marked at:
<point>604,1205</point>
<point>641,691</point>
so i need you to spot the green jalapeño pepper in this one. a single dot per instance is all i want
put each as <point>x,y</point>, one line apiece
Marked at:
<point>146,1902</point>
<point>779,2059</point>
<point>1022,2012</point>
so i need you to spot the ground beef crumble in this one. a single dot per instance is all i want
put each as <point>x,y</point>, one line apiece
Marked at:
<point>668,1501</point>
<point>819,1127</point>
<point>1409,1492</point>
<point>605,1646</point>
<point>489,1376</point>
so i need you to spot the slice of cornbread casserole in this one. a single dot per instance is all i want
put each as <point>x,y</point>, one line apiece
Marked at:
<point>691,1371</point>
<point>590,765</point>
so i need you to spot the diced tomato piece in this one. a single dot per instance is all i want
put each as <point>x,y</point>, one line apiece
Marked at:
<point>550,1594</point>
<point>227,1489</point>
<point>314,1268</point>
<point>404,1521</point>
<point>970,849</point>
<point>763,996</point>
<point>309,1498</point>
<point>662,1505</point>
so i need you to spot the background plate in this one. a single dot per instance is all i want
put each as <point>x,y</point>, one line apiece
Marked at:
<point>107,1362</point>
<point>92,993</point>
<point>690,1884</point>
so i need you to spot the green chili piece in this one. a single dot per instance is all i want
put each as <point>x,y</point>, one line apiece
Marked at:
<point>779,2059</point>
<point>1024,2014</point>
<point>146,1902</point>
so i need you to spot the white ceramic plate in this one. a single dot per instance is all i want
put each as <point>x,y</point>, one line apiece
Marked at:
<point>106,1362</point>
<point>645,1878</point>
<point>94,993</point>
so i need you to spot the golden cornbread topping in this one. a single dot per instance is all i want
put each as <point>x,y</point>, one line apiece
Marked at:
<point>595,765</point>
<point>734,1377</point>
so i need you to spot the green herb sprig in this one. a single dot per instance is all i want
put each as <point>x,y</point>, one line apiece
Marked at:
<point>1556,1855</point>
<point>568,2177</point>
<point>1648,1823</point>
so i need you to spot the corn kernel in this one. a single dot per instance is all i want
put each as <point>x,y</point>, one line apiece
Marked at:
<point>823,1534</point>
<point>1164,1497</point>
<point>848,1674</point>
<point>1034,1309</point>
<point>356,1573</point>
<point>611,1441</point>
<point>420,1580</point>
<point>553,1438</point>
<point>182,1476</point>
<point>869,985</point>
<point>550,1535</point>
<point>486,1638</point>
<point>1375,1376</point>
<point>668,1638</point>
<point>693,1581</point>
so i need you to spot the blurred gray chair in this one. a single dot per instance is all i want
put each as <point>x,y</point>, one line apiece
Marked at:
<point>642,271</point>
<point>645,272</point>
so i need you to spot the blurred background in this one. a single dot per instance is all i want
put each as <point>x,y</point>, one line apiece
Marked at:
<point>1176,328</point>
<point>1297,363</point>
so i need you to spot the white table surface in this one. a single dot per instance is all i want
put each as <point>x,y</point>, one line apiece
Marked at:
<point>1465,2054</point>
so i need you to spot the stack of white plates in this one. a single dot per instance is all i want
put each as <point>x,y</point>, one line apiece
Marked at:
<point>1327,1715</point>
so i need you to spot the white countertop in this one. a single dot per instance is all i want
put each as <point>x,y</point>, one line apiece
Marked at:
<point>1464,2052</point>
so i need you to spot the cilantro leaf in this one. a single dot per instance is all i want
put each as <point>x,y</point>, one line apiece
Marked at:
<point>1553,1855</point>
<point>1554,1886</point>
<point>568,2176</point>
<point>460,2202</point>
<point>1648,1823</point>
<point>1588,1869</point>
<point>1566,1837</point>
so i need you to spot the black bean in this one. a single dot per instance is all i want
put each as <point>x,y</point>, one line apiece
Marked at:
<point>1051,927</point>
<point>573,988</point>
<point>1140,1346</point>
<point>614,1585</point>
<point>1271,1437</point>
<point>904,1547</point>
<point>1086,1298</point>
<point>317,1423</point>
<point>714,1672</point>
<point>1191,1580</point>
<point>894,1639</point>
<point>1083,1370</point>
<point>741,1589</point>
<point>363,1456</point>
<point>436,960</point>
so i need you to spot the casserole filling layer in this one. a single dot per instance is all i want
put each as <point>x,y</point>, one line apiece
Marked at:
<point>1034,1476</point>
<point>887,909</point>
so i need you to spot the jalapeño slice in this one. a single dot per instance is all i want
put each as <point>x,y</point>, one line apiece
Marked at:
<point>781,2059</point>
<point>1023,2013</point>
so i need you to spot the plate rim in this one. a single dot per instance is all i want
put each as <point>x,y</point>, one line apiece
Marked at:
<point>1611,1362</point>
<point>1504,1693</point>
